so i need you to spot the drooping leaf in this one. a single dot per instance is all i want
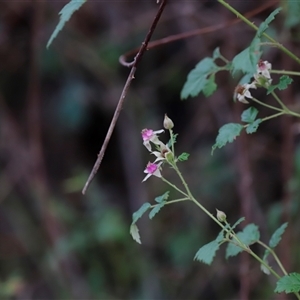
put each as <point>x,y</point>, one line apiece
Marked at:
<point>162,198</point>
<point>252,127</point>
<point>249,115</point>
<point>197,78</point>
<point>288,284</point>
<point>247,60</point>
<point>276,236</point>
<point>134,231</point>
<point>156,209</point>
<point>139,213</point>
<point>248,236</point>
<point>65,15</point>
<point>264,25</point>
<point>292,13</point>
<point>227,134</point>
<point>183,156</point>
<point>282,85</point>
<point>207,252</point>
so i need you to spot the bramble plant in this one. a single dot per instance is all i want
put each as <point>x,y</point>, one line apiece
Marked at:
<point>256,74</point>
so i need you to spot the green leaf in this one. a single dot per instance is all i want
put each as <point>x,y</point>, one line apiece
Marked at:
<point>138,214</point>
<point>134,231</point>
<point>240,220</point>
<point>65,15</point>
<point>252,127</point>
<point>207,252</point>
<point>172,140</point>
<point>264,25</point>
<point>216,53</point>
<point>247,60</point>
<point>248,236</point>
<point>183,156</point>
<point>289,283</point>
<point>162,198</point>
<point>210,86</point>
<point>197,78</point>
<point>292,13</point>
<point>227,134</point>
<point>282,85</point>
<point>276,236</point>
<point>156,209</point>
<point>249,115</point>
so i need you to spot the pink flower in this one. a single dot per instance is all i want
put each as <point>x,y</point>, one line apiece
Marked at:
<point>152,169</point>
<point>263,68</point>
<point>150,135</point>
<point>242,92</point>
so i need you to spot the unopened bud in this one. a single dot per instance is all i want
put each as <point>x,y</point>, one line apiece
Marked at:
<point>168,123</point>
<point>221,216</point>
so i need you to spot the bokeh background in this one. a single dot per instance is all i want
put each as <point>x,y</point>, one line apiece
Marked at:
<point>55,109</point>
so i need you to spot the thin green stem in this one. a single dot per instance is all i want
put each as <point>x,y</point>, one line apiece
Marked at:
<point>273,116</point>
<point>267,105</point>
<point>172,201</point>
<point>239,15</point>
<point>174,187</point>
<point>280,102</point>
<point>284,72</point>
<point>275,257</point>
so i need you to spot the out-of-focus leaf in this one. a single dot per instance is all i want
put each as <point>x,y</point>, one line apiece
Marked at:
<point>276,236</point>
<point>134,231</point>
<point>139,213</point>
<point>65,15</point>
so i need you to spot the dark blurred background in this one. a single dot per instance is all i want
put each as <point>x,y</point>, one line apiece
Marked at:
<point>55,109</point>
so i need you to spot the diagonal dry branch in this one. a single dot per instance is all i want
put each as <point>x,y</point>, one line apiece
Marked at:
<point>130,77</point>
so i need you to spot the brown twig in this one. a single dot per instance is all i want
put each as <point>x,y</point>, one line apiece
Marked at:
<point>133,66</point>
<point>172,38</point>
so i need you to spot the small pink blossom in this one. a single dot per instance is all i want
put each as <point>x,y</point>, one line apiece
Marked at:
<point>263,68</point>
<point>150,135</point>
<point>152,169</point>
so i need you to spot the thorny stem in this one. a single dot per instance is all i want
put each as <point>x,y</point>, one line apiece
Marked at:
<point>239,15</point>
<point>130,78</point>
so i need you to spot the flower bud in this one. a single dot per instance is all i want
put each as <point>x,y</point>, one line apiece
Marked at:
<point>221,216</point>
<point>168,123</point>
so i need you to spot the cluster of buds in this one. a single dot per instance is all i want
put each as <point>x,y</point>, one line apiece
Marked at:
<point>262,78</point>
<point>162,152</point>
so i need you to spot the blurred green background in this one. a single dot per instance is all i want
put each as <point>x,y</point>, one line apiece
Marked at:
<point>55,109</point>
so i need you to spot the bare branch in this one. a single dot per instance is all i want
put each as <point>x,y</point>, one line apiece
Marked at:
<point>133,66</point>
